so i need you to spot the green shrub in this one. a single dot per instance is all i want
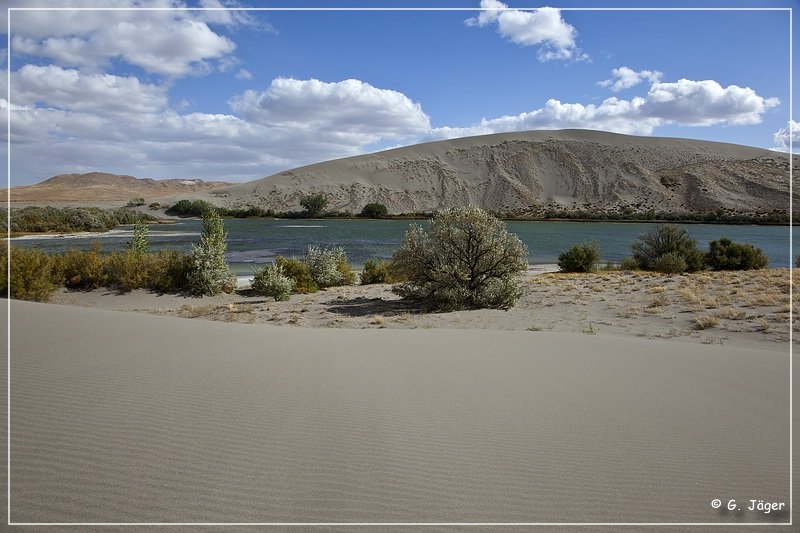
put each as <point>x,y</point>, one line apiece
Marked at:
<point>168,270</point>
<point>299,272</point>
<point>669,263</point>
<point>379,272</point>
<point>329,266</point>
<point>314,204</point>
<point>347,276</point>
<point>36,219</point>
<point>163,271</point>
<point>629,264</point>
<point>725,254</point>
<point>271,281</point>
<point>126,271</point>
<point>580,258</point>
<point>209,273</point>
<point>665,239</point>
<point>466,259</point>
<point>83,269</point>
<point>190,208</point>
<point>374,210</point>
<point>33,275</point>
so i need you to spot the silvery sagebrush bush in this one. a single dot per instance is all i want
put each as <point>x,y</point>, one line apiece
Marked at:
<point>465,260</point>
<point>272,281</point>
<point>323,263</point>
<point>139,244</point>
<point>209,273</point>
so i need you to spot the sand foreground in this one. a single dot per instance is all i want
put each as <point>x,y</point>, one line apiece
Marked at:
<point>129,417</point>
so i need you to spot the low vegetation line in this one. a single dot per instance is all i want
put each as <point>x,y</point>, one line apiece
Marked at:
<point>35,219</point>
<point>464,259</point>
<point>315,206</point>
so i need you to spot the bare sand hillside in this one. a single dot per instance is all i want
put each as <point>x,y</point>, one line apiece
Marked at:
<point>530,172</point>
<point>104,187</point>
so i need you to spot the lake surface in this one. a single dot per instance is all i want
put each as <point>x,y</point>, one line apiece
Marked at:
<point>258,241</point>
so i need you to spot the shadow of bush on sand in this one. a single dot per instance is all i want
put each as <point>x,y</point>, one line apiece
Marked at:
<point>361,307</point>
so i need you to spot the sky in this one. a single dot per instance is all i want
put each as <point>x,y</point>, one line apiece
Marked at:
<point>238,95</point>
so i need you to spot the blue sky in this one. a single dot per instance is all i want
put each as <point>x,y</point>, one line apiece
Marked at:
<point>238,95</point>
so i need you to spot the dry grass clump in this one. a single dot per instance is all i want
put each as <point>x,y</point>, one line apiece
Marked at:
<point>195,311</point>
<point>689,294</point>
<point>731,313</point>
<point>630,312</point>
<point>705,321</point>
<point>769,298</point>
<point>590,329</point>
<point>698,298</point>
<point>659,301</point>
<point>763,325</point>
<point>232,312</point>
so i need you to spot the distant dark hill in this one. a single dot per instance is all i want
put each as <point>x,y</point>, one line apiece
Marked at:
<point>101,187</point>
<point>530,172</point>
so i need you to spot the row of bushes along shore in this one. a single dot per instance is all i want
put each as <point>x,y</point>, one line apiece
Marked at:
<point>464,259</point>
<point>314,206</point>
<point>47,219</point>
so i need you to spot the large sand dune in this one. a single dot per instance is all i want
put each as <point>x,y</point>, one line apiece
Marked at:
<point>530,172</point>
<point>130,417</point>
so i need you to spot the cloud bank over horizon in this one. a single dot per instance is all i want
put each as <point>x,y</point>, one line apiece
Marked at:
<point>100,97</point>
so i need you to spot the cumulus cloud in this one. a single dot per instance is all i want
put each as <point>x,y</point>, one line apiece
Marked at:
<point>621,116</point>
<point>625,78</point>
<point>349,108</point>
<point>685,103</point>
<point>705,103</point>
<point>53,86</point>
<point>541,27</point>
<point>120,124</point>
<point>177,43</point>
<point>784,136</point>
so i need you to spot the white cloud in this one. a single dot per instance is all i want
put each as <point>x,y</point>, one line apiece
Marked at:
<point>621,116</point>
<point>684,103</point>
<point>705,103</point>
<point>349,108</point>
<point>541,27</point>
<point>53,86</point>
<point>783,136</point>
<point>625,78</point>
<point>170,43</point>
<point>124,125</point>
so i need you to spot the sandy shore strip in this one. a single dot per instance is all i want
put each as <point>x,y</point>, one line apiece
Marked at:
<point>134,417</point>
<point>722,308</point>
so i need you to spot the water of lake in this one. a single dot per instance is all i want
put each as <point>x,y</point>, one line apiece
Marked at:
<point>256,241</point>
